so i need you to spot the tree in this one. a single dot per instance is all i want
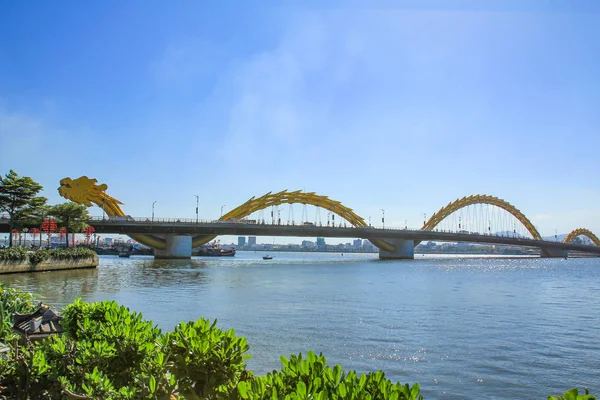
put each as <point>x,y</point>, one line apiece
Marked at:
<point>16,194</point>
<point>33,214</point>
<point>70,215</point>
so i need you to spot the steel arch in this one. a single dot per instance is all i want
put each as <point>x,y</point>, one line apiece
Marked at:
<point>582,232</point>
<point>295,197</point>
<point>480,199</point>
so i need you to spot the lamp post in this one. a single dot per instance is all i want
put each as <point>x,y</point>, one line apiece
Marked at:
<point>224,206</point>
<point>197,198</point>
<point>153,203</point>
<point>383,218</point>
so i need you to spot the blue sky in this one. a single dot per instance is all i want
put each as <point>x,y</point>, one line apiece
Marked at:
<point>404,106</point>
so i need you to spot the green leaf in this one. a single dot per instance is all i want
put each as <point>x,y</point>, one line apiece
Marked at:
<point>152,384</point>
<point>301,389</point>
<point>243,390</point>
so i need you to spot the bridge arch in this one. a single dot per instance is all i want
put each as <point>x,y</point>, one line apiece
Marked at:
<point>582,232</point>
<point>298,196</point>
<point>480,199</point>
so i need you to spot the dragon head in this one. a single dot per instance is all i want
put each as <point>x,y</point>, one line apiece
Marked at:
<point>84,190</point>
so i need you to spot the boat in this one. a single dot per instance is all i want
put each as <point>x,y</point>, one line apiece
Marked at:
<point>214,250</point>
<point>267,257</point>
<point>124,253</point>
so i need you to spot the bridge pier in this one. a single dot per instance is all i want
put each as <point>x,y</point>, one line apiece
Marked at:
<point>405,250</point>
<point>553,253</point>
<point>178,247</point>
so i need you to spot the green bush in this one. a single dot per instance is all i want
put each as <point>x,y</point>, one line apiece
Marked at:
<point>13,254</point>
<point>573,394</point>
<point>13,301</point>
<point>34,257</point>
<point>108,352</point>
<point>206,361</point>
<point>312,378</point>
<point>70,253</point>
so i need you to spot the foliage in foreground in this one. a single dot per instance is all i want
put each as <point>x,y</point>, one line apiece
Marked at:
<point>13,301</point>
<point>34,257</point>
<point>573,394</point>
<point>312,378</point>
<point>108,352</point>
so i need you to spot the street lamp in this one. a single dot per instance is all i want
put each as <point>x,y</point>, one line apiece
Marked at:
<point>197,198</point>
<point>103,200</point>
<point>153,203</point>
<point>222,210</point>
<point>383,218</point>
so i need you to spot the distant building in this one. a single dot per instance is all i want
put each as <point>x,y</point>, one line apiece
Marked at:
<point>357,243</point>
<point>320,241</point>
<point>241,240</point>
<point>307,244</point>
<point>251,240</point>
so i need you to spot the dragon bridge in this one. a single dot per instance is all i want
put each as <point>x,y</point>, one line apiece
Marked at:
<point>84,190</point>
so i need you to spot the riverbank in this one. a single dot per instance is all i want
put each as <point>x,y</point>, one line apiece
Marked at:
<point>18,260</point>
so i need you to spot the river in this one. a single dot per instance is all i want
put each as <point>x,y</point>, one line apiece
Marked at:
<point>463,327</point>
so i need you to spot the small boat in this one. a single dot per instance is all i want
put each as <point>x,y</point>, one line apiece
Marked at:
<point>124,253</point>
<point>214,250</point>
<point>267,257</point>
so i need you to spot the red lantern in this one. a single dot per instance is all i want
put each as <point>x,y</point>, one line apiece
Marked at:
<point>88,232</point>
<point>49,225</point>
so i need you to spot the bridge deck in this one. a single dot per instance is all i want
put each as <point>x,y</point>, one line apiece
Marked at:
<point>190,227</point>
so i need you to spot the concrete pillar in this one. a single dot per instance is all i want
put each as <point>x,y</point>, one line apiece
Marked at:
<point>178,247</point>
<point>553,253</point>
<point>405,250</point>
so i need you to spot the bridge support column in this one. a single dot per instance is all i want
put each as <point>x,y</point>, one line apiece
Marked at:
<point>405,250</point>
<point>554,253</point>
<point>178,247</point>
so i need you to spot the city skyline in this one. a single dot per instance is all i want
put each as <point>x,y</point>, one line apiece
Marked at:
<point>403,108</point>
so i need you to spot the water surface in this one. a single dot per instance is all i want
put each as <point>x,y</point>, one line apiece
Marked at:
<point>461,327</point>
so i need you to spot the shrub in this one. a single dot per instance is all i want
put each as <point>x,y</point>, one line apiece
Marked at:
<point>312,378</point>
<point>573,394</point>
<point>34,257</point>
<point>109,352</point>
<point>70,253</point>
<point>206,361</point>
<point>13,254</point>
<point>12,302</point>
